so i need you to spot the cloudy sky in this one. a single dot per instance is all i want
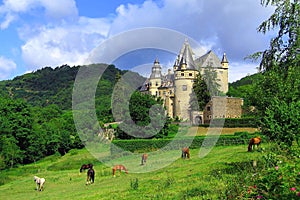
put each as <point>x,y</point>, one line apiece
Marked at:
<point>39,33</point>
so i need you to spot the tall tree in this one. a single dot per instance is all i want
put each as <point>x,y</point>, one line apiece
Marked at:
<point>210,77</point>
<point>277,95</point>
<point>284,48</point>
<point>201,92</point>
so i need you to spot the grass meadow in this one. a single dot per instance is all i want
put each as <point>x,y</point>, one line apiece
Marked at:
<point>196,178</point>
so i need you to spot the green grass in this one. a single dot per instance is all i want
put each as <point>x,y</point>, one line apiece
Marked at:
<point>183,179</point>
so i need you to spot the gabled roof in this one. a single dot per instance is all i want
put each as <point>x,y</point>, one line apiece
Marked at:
<point>208,59</point>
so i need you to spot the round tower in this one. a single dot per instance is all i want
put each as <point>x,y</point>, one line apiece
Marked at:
<point>155,78</point>
<point>185,74</point>
<point>224,78</point>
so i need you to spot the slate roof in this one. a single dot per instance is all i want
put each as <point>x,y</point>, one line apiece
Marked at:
<point>186,57</point>
<point>208,59</point>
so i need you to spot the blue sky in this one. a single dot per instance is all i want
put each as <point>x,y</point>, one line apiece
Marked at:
<point>39,33</point>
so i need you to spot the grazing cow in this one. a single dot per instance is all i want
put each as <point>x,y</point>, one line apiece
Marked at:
<point>185,153</point>
<point>254,141</point>
<point>39,183</point>
<point>144,158</point>
<point>120,168</point>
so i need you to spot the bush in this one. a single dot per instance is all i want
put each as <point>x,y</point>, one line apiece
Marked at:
<point>142,145</point>
<point>235,122</point>
<point>273,178</point>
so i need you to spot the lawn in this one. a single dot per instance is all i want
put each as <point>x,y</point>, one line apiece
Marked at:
<point>183,179</point>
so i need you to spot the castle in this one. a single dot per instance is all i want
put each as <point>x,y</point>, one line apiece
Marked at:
<point>176,87</point>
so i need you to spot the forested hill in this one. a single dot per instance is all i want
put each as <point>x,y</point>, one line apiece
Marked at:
<point>54,86</point>
<point>244,88</point>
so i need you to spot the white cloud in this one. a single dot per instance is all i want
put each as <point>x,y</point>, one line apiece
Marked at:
<point>54,9</point>
<point>223,26</point>
<point>55,34</point>
<point>64,44</point>
<point>6,67</point>
<point>64,37</point>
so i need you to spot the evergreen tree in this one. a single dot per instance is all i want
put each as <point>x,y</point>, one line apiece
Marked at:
<point>210,77</point>
<point>201,92</point>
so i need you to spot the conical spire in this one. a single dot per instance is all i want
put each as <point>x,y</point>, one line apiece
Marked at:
<point>224,59</point>
<point>186,56</point>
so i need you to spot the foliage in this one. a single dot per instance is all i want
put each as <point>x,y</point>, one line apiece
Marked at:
<point>202,93</point>
<point>284,48</point>
<point>273,178</point>
<point>281,122</point>
<point>279,87</point>
<point>134,184</point>
<point>244,88</point>
<point>142,145</point>
<point>234,122</point>
<point>146,118</point>
<point>210,77</point>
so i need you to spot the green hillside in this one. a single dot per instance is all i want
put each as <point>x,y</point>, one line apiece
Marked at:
<point>206,178</point>
<point>48,86</point>
<point>244,88</point>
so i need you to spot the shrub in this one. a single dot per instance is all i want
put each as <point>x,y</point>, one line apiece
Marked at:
<point>134,184</point>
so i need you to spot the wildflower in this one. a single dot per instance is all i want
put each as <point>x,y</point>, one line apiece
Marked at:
<point>276,167</point>
<point>259,197</point>
<point>254,186</point>
<point>293,189</point>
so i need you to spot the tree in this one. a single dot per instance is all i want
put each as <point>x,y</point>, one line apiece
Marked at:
<point>284,48</point>
<point>277,95</point>
<point>10,151</point>
<point>281,122</point>
<point>145,118</point>
<point>210,77</point>
<point>201,92</point>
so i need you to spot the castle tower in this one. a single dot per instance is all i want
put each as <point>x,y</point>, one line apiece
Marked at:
<point>224,75</point>
<point>155,79</point>
<point>185,74</point>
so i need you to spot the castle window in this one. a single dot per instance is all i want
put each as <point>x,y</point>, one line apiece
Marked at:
<point>184,88</point>
<point>208,108</point>
<point>182,74</point>
<point>156,84</point>
<point>190,74</point>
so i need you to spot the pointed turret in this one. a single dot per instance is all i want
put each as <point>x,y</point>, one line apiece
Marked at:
<point>186,57</point>
<point>224,61</point>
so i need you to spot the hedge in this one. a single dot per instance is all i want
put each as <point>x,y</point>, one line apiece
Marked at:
<point>142,145</point>
<point>233,122</point>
